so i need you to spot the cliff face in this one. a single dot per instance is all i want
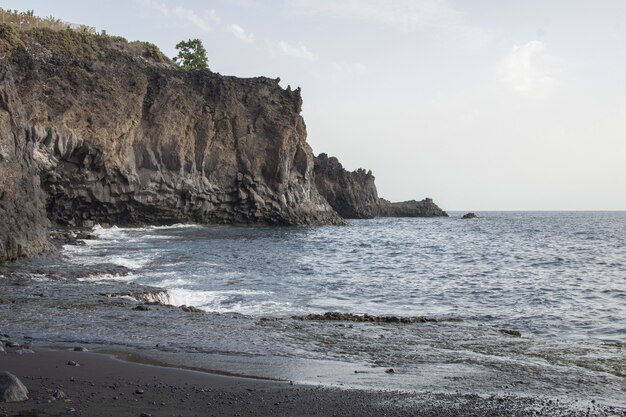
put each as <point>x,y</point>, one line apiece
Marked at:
<point>106,131</point>
<point>354,196</point>
<point>23,219</point>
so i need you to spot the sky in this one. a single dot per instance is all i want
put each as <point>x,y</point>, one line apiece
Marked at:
<point>480,105</point>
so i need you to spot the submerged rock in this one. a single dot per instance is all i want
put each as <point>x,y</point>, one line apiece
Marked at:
<point>190,309</point>
<point>11,388</point>
<point>514,333</point>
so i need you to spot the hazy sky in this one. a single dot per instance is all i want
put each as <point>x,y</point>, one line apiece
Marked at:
<point>482,104</point>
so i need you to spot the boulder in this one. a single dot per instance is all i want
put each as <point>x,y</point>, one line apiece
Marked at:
<point>11,388</point>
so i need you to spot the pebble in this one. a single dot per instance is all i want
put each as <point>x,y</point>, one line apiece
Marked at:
<point>80,349</point>
<point>139,391</point>
<point>72,363</point>
<point>390,371</point>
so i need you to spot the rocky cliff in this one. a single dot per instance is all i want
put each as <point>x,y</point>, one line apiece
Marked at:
<point>96,129</point>
<point>353,194</point>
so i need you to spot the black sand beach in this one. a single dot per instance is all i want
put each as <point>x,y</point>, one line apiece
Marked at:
<point>103,385</point>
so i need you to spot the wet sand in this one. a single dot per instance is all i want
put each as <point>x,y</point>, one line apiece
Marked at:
<point>103,385</point>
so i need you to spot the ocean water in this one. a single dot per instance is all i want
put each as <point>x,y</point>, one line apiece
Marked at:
<point>559,278</point>
<point>555,275</point>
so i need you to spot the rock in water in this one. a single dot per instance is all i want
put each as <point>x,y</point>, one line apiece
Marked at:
<point>11,388</point>
<point>470,216</point>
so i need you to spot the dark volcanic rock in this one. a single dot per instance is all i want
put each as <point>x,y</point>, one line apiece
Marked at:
<point>22,202</point>
<point>411,208</point>
<point>469,216</point>
<point>354,196</point>
<point>95,130</point>
<point>337,316</point>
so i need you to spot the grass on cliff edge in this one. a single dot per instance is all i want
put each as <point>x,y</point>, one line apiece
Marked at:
<point>75,44</point>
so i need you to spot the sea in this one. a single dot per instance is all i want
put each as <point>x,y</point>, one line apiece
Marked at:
<point>530,303</point>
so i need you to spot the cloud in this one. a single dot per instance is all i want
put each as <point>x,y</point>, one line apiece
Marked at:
<point>204,21</point>
<point>401,15</point>
<point>298,50</point>
<point>528,70</point>
<point>239,33</point>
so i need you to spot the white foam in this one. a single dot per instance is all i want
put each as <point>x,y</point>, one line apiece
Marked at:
<point>128,262</point>
<point>217,301</point>
<point>205,300</point>
<point>108,277</point>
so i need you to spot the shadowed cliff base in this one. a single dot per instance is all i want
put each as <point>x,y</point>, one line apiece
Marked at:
<point>354,195</point>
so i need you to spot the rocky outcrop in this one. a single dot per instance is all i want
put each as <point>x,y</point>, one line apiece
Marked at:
<point>411,208</point>
<point>354,196</point>
<point>95,129</point>
<point>470,216</point>
<point>338,316</point>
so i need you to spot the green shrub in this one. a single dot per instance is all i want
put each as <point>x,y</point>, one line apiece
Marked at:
<point>10,39</point>
<point>150,50</point>
<point>76,44</point>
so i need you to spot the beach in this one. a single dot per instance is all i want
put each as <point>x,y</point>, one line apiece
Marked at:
<point>104,385</point>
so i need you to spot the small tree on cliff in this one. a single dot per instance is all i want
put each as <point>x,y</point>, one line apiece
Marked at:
<point>191,55</point>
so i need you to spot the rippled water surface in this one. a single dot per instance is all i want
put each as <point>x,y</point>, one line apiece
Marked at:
<point>552,274</point>
<point>558,278</point>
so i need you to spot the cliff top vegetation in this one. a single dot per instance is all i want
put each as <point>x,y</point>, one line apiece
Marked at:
<point>72,40</point>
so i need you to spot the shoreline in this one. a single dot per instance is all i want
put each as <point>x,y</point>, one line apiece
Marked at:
<point>107,385</point>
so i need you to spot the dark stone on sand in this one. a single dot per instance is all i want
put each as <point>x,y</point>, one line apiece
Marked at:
<point>11,344</point>
<point>58,394</point>
<point>337,316</point>
<point>142,308</point>
<point>73,363</point>
<point>511,332</point>
<point>470,216</point>
<point>79,349</point>
<point>139,391</point>
<point>11,388</point>
<point>390,371</point>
